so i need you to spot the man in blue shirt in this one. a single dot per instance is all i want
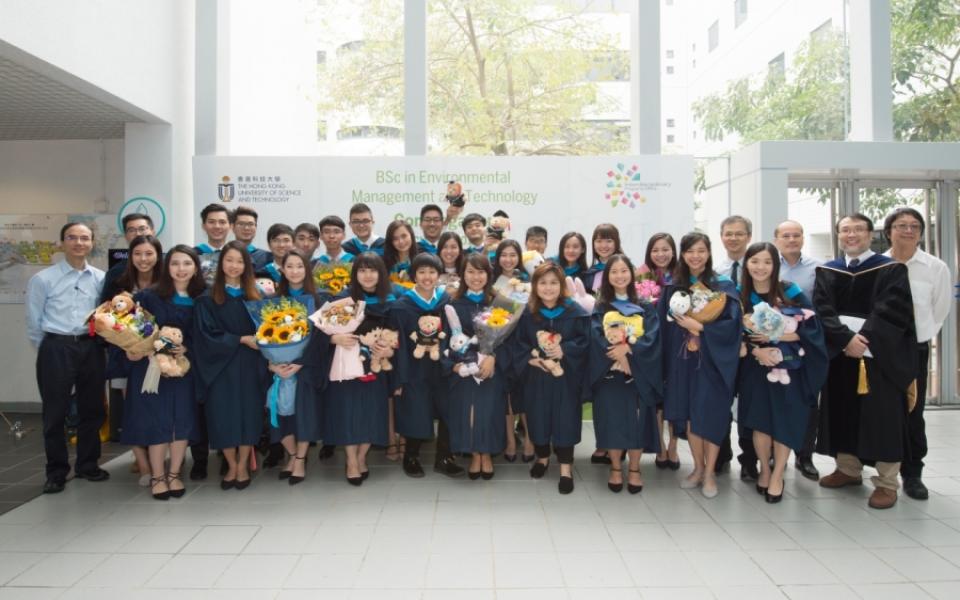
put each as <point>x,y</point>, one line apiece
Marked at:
<point>68,357</point>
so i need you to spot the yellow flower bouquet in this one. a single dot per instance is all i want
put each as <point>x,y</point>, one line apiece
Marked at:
<point>331,278</point>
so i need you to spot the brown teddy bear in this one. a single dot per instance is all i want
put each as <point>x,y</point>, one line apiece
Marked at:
<point>547,340</point>
<point>121,307</point>
<point>427,337</point>
<point>170,365</point>
<point>369,339</point>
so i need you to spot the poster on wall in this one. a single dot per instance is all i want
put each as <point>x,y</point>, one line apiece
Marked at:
<point>31,243</point>
<point>641,195</point>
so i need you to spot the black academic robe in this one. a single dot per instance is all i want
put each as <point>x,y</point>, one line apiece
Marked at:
<point>231,378</point>
<point>259,257</point>
<point>624,411</point>
<point>871,426</point>
<point>422,380</point>
<point>553,404</point>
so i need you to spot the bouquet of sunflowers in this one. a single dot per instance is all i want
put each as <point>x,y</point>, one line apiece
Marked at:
<point>282,333</point>
<point>493,325</point>
<point>331,278</point>
<point>342,316</point>
<point>401,278</point>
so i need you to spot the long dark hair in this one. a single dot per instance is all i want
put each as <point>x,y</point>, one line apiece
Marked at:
<point>777,295</point>
<point>606,293</point>
<point>681,275</point>
<point>127,282</point>
<point>497,270</point>
<point>444,238</point>
<point>649,261</point>
<point>248,282</point>
<point>605,231</point>
<point>582,261</point>
<point>165,287</point>
<point>370,260</point>
<point>534,303</point>
<point>309,287</point>
<point>480,262</point>
<point>390,254</point>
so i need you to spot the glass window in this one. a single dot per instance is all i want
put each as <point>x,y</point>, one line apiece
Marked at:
<point>713,36</point>
<point>739,12</point>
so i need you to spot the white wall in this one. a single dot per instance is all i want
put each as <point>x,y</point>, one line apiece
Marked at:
<point>48,177</point>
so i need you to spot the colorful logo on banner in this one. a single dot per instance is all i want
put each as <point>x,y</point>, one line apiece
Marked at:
<point>623,187</point>
<point>225,190</point>
<point>143,205</point>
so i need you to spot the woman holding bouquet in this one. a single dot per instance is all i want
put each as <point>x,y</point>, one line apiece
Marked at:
<point>295,432</point>
<point>356,410</point>
<point>777,412</point>
<point>231,374</point>
<point>572,256</point>
<point>552,342</point>
<point>624,372</point>
<point>399,248</point>
<point>700,359</point>
<point>165,421</point>
<point>476,406</point>
<point>659,262</point>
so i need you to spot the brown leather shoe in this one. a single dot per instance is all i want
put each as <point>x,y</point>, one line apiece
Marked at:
<point>882,498</point>
<point>838,479</point>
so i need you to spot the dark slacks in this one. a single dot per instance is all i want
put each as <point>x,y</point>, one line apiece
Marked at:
<point>748,454</point>
<point>412,445</point>
<point>916,442</point>
<point>564,453</point>
<point>200,447</point>
<point>810,437</point>
<point>68,364</point>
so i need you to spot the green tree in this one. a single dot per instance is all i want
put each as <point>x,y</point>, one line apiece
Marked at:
<point>505,76</point>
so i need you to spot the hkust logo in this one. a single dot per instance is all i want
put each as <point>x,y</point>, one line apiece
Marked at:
<point>225,190</point>
<point>623,186</point>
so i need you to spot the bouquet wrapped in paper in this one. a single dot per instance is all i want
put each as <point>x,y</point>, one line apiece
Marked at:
<point>331,278</point>
<point>124,323</point>
<point>648,288</point>
<point>494,325</point>
<point>701,304</point>
<point>342,316</point>
<point>512,289</point>
<point>282,333</point>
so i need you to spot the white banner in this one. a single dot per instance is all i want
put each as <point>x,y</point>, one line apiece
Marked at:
<point>641,195</point>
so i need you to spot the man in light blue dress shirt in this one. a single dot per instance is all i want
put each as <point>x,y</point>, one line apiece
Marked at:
<point>68,357</point>
<point>801,270</point>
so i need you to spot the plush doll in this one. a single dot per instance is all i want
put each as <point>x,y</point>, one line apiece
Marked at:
<point>370,338</point>
<point>547,340</point>
<point>266,286</point>
<point>427,337</point>
<point>455,194</point>
<point>170,365</point>
<point>679,304</point>
<point>579,294</point>
<point>462,348</point>
<point>774,324</point>
<point>531,259</point>
<point>620,329</point>
<point>499,225</point>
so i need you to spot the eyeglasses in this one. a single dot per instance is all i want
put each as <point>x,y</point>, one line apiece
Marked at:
<point>907,226</point>
<point>78,238</point>
<point>361,221</point>
<point>143,229</point>
<point>246,224</point>
<point>849,230</point>
<point>432,220</point>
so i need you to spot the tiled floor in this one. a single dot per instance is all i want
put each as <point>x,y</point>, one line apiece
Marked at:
<point>509,538</point>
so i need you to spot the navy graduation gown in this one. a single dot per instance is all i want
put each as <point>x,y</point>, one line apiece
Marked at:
<point>355,247</point>
<point>232,379</point>
<point>699,386</point>
<point>624,412</point>
<point>553,404</point>
<point>782,411</point>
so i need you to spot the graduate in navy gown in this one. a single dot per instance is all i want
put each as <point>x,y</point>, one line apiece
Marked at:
<point>166,421</point>
<point>475,409</point>
<point>606,243</point>
<point>297,431</point>
<point>572,254</point>
<point>554,378</point>
<point>280,239</point>
<point>421,386</point>
<point>625,372</point>
<point>399,249</point>
<point>776,412</point>
<point>361,225</point>
<point>699,383</point>
<point>231,375</point>
<point>355,411</point>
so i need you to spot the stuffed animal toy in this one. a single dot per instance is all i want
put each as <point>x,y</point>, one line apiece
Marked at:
<point>774,324</point>
<point>267,287</point>
<point>620,329</point>
<point>499,225</point>
<point>122,307</point>
<point>170,365</point>
<point>462,349</point>
<point>455,194</point>
<point>427,337</point>
<point>531,259</point>
<point>369,339</point>
<point>547,340</point>
<point>680,304</point>
<point>579,294</point>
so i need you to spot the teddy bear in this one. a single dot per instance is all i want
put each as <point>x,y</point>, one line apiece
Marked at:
<point>499,225</point>
<point>455,194</point>
<point>427,337</point>
<point>170,365</point>
<point>370,338</point>
<point>462,348</point>
<point>531,259</point>
<point>774,323</point>
<point>620,329</point>
<point>118,312</point>
<point>547,340</point>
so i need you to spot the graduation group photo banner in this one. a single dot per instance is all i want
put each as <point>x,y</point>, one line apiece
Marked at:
<point>641,195</point>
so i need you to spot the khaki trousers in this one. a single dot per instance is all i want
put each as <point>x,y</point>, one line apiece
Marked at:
<point>887,472</point>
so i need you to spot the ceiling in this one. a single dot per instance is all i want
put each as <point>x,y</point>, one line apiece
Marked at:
<point>35,107</point>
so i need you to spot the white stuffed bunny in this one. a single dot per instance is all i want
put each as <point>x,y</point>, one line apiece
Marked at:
<point>461,348</point>
<point>679,304</point>
<point>580,295</point>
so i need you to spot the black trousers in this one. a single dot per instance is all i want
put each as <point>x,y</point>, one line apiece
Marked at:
<point>564,453</point>
<point>916,442</point>
<point>200,448</point>
<point>68,364</point>
<point>748,454</point>
<point>810,437</point>
<point>412,445</point>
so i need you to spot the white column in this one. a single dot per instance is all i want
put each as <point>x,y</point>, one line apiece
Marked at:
<point>212,77</point>
<point>645,113</point>
<point>415,77</point>
<point>946,219</point>
<point>871,99</point>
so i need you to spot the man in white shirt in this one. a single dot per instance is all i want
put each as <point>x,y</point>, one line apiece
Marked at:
<point>930,288</point>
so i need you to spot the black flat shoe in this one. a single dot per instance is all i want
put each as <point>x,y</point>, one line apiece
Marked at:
<point>761,490</point>
<point>662,464</point>
<point>96,474</point>
<point>164,495</point>
<point>633,489</point>
<point>771,499</point>
<point>674,465</point>
<point>538,470</point>
<point>412,467</point>
<point>616,488</point>
<point>473,475</point>
<point>242,485</point>
<point>449,467</point>
<point>487,475</point>
<point>175,493</point>
<point>198,472</point>
<point>510,457</point>
<point>749,472</point>
<point>228,485</point>
<point>326,451</point>
<point>806,468</point>
<point>566,485</point>
<point>914,488</point>
<point>365,475</point>
<point>528,457</point>
<point>357,481</point>
<point>53,486</point>
<point>600,459</point>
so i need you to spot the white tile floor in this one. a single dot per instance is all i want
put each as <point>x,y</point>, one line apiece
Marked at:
<point>510,538</point>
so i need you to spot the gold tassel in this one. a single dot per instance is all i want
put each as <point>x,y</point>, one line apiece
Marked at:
<point>862,386</point>
<point>912,396</point>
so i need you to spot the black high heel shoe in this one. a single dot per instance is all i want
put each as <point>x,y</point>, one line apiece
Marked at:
<point>616,488</point>
<point>473,475</point>
<point>600,459</point>
<point>761,490</point>
<point>294,480</point>
<point>175,493</point>
<point>770,498</point>
<point>662,464</point>
<point>165,495</point>
<point>487,475</point>
<point>285,474</point>
<point>634,489</point>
